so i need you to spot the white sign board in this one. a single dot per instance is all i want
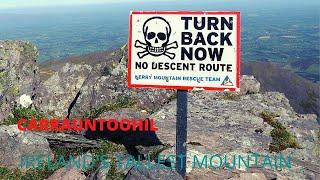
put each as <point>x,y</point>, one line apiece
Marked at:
<point>184,50</point>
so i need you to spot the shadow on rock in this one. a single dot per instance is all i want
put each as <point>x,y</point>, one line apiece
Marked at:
<point>146,140</point>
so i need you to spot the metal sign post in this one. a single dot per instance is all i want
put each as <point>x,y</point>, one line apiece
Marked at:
<point>181,132</point>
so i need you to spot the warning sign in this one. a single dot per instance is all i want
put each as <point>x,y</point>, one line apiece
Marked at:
<point>184,50</point>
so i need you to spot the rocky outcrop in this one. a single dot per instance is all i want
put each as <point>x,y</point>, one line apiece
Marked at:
<point>57,93</point>
<point>18,74</point>
<point>76,90</point>
<point>223,125</point>
<point>14,144</point>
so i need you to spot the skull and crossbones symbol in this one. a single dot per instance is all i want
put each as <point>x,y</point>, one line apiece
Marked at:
<point>156,31</point>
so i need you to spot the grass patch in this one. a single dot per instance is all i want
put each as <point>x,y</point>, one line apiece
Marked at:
<point>22,112</point>
<point>109,148</point>
<point>6,173</point>
<point>67,152</point>
<point>122,102</point>
<point>268,117</point>
<point>172,97</point>
<point>31,174</point>
<point>231,96</point>
<point>281,137</point>
<point>316,148</point>
<point>154,154</point>
<point>113,173</point>
<point>106,148</point>
<point>43,171</point>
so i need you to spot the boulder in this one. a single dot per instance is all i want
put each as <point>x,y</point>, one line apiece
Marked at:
<point>249,85</point>
<point>18,74</point>
<point>14,144</point>
<point>73,173</point>
<point>67,174</point>
<point>152,173</point>
<point>99,174</point>
<point>251,176</point>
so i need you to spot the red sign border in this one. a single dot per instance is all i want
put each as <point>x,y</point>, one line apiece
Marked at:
<point>237,13</point>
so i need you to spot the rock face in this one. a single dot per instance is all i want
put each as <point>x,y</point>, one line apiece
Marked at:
<point>18,73</point>
<point>75,90</point>
<point>15,143</point>
<point>58,92</point>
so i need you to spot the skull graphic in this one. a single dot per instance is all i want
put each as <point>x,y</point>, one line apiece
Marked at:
<point>156,31</point>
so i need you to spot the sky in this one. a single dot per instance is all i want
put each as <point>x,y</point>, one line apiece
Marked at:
<point>9,4</point>
<point>37,3</point>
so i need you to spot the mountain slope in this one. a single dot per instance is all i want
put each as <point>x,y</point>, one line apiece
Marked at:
<point>304,95</point>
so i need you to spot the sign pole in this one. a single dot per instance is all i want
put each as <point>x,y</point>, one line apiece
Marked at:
<point>181,132</point>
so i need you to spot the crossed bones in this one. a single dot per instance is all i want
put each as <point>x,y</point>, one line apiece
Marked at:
<point>139,44</point>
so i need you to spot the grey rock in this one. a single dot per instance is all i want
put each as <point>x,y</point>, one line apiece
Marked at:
<point>68,140</point>
<point>102,89</point>
<point>18,74</point>
<point>14,144</point>
<point>57,93</point>
<point>249,85</point>
<point>99,174</point>
<point>77,89</point>
<point>230,174</point>
<point>67,174</point>
<point>73,173</point>
<point>251,176</point>
<point>143,172</point>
